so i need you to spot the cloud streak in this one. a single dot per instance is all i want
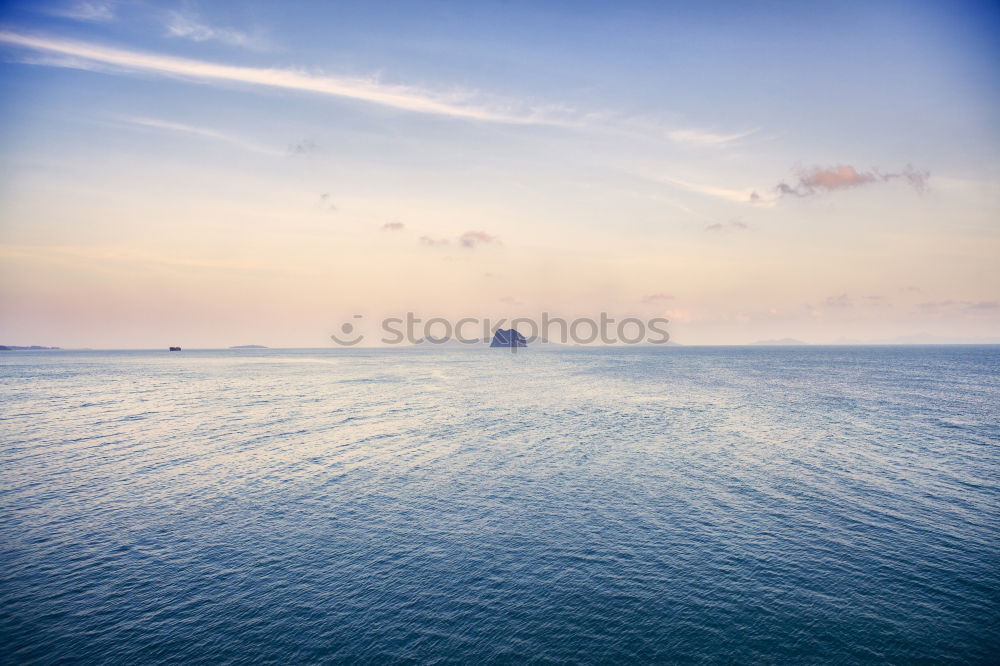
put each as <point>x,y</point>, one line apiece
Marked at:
<point>842,177</point>
<point>203,132</point>
<point>970,307</point>
<point>703,138</point>
<point>839,301</point>
<point>92,11</point>
<point>469,240</point>
<point>188,27</point>
<point>731,226</point>
<point>469,105</point>
<point>404,98</point>
<point>738,196</point>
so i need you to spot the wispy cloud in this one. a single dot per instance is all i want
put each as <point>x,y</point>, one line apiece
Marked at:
<point>659,297</point>
<point>303,147</point>
<point>188,26</point>
<point>705,138</point>
<point>724,227</point>
<point>990,306</point>
<point>204,132</point>
<point>839,301</point>
<point>739,196</point>
<point>841,177</point>
<point>471,239</point>
<point>83,10</point>
<point>810,182</point>
<point>325,200</point>
<point>405,98</point>
<point>470,105</point>
<point>393,226</point>
<point>953,306</point>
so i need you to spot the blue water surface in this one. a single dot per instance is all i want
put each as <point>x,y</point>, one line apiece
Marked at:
<point>588,506</point>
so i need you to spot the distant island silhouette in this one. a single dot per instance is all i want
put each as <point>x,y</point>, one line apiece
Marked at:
<point>782,342</point>
<point>28,348</point>
<point>248,347</point>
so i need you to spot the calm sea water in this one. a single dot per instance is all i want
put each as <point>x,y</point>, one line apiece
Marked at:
<point>683,505</point>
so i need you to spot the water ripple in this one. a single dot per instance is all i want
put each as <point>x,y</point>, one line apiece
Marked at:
<point>575,506</point>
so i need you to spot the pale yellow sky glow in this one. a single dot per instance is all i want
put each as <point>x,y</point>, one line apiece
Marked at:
<point>164,188</point>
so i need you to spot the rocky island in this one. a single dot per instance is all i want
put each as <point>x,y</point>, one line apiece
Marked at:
<point>508,337</point>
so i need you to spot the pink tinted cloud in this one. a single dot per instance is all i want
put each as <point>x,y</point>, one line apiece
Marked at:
<point>658,297</point>
<point>844,176</point>
<point>471,239</point>
<point>434,242</point>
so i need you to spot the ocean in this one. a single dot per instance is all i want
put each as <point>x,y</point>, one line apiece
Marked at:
<point>682,505</point>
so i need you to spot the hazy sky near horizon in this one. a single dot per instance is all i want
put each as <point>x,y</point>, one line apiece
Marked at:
<point>221,173</point>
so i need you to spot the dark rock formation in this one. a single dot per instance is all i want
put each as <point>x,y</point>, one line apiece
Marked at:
<point>508,337</point>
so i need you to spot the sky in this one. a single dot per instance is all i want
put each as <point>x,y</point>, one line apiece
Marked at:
<point>210,174</point>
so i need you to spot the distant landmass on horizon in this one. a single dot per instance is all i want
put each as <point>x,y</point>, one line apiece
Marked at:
<point>28,348</point>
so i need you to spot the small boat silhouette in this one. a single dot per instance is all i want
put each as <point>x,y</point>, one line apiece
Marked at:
<point>175,349</point>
